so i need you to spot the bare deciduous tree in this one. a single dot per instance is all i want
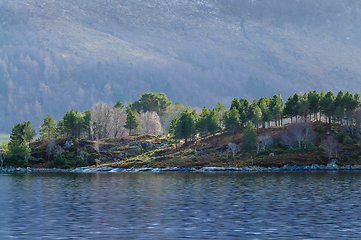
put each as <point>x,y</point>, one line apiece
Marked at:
<point>118,120</point>
<point>309,134</point>
<point>296,131</point>
<point>150,122</point>
<point>264,142</point>
<point>97,148</point>
<point>102,114</point>
<point>298,134</point>
<point>50,147</point>
<point>287,140</point>
<point>232,147</point>
<point>331,146</point>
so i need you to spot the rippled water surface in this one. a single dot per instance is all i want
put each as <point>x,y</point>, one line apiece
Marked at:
<point>180,205</point>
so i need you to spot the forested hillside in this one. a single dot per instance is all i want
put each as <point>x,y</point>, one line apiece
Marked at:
<point>61,55</point>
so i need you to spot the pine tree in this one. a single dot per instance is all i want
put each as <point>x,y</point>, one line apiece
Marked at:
<point>212,121</point>
<point>314,99</point>
<point>257,116</point>
<point>48,128</point>
<point>186,125</point>
<point>263,104</point>
<point>339,106</point>
<point>327,105</point>
<point>235,104</point>
<point>221,109</point>
<point>232,120</point>
<point>202,124</point>
<point>296,105</point>
<point>276,108</point>
<point>87,123</point>
<point>288,110</point>
<point>18,147</point>
<point>304,106</point>
<point>174,135</point>
<point>245,105</point>
<point>131,122</point>
<point>249,138</point>
<point>119,105</point>
<point>348,104</point>
<point>68,123</point>
<point>22,132</point>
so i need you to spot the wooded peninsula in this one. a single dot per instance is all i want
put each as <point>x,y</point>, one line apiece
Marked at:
<point>309,128</point>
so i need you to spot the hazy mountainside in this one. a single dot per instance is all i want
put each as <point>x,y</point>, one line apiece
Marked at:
<point>59,55</point>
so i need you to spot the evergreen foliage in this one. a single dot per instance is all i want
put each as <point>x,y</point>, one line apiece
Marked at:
<point>202,123</point>
<point>212,121</point>
<point>87,124</point>
<point>18,146</point>
<point>256,114</point>
<point>186,125</point>
<point>131,122</point>
<point>152,102</point>
<point>22,132</point>
<point>263,104</point>
<point>276,109</point>
<point>249,138</point>
<point>327,105</point>
<point>314,99</point>
<point>231,120</point>
<point>119,105</point>
<point>48,128</point>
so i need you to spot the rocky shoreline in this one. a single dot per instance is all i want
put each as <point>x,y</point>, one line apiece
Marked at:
<point>286,168</point>
<point>30,170</point>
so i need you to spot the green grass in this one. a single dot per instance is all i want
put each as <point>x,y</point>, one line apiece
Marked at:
<point>4,137</point>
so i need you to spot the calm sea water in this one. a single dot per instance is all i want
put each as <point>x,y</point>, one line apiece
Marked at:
<point>181,205</point>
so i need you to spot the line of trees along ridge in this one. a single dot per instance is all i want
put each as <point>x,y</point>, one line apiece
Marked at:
<point>342,108</point>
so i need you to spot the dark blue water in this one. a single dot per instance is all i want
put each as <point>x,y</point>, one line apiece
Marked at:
<point>180,205</point>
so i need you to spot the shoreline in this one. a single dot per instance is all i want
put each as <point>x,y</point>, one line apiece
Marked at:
<point>286,168</point>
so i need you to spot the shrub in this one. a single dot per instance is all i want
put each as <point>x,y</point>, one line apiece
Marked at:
<point>189,152</point>
<point>79,163</point>
<point>265,152</point>
<point>340,137</point>
<point>26,164</point>
<point>347,140</point>
<point>65,166</point>
<point>59,160</point>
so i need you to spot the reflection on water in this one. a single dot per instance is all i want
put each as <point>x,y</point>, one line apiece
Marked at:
<point>180,205</point>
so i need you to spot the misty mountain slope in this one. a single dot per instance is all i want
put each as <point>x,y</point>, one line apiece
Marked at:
<point>168,28</point>
<point>200,52</point>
